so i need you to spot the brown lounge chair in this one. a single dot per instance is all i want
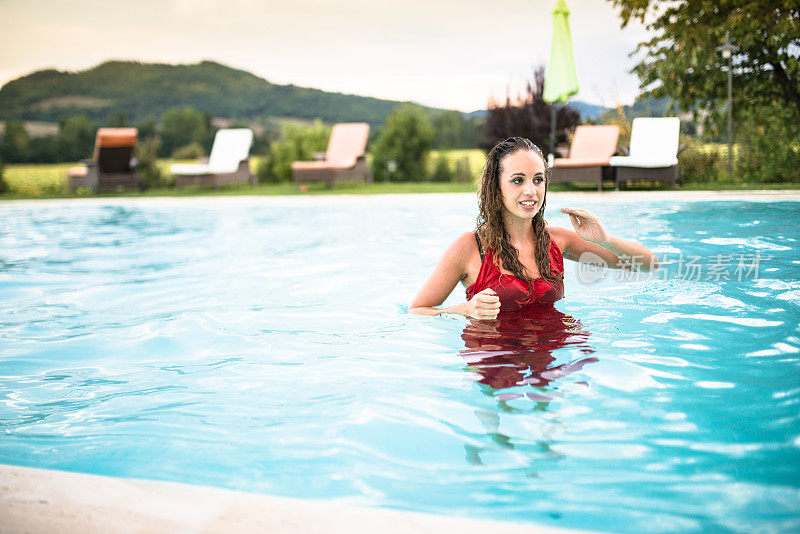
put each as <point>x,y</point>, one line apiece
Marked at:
<point>112,168</point>
<point>589,155</point>
<point>343,161</point>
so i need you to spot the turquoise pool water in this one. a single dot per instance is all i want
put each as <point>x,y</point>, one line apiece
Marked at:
<point>262,345</point>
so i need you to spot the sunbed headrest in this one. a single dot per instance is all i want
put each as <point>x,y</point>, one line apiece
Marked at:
<point>231,145</point>
<point>594,142</point>
<point>655,138</point>
<point>115,137</point>
<point>348,141</point>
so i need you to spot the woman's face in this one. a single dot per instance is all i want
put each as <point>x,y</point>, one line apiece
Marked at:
<point>522,183</point>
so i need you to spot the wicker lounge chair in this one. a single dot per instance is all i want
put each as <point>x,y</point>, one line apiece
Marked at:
<point>112,167</point>
<point>343,161</point>
<point>653,153</point>
<point>591,149</point>
<point>228,163</point>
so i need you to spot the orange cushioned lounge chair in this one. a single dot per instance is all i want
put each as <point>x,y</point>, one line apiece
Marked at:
<point>112,167</point>
<point>344,160</point>
<point>589,155</point>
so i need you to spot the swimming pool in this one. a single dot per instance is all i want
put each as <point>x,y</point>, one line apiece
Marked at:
<point>261,344</point>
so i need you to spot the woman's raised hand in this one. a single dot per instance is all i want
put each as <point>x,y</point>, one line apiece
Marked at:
<point>587,225</point>
<point>484,305</point>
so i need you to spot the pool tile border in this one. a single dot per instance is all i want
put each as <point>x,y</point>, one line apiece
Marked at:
<point>562,197</point>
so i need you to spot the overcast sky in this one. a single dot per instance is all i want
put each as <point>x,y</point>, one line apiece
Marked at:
<point>450,53</point>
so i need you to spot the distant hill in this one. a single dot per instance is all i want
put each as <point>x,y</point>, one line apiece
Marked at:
<point>642,107</point>
<point>143,90</point>
<point>645,107</point>
<point>587,111</point>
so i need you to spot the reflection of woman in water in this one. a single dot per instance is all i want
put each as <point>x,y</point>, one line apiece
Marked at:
<point>513,259</point>
<point>511,357</point>
<point>516,350</point>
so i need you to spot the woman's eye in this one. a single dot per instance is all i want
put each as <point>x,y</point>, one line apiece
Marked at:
<point>516,181</point>
<point>538,180</point>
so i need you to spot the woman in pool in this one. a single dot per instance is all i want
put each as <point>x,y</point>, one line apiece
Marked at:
<point>514,260</point>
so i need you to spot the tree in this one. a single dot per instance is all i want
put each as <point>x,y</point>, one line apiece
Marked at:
<point>15,147</point>
<point>3,184</point>
<point>453,129</point>
<point>182,126</point>
<point>400,150</point>
<point>118,119</point>
<point>681,60</point>
<point>529,116</point>
<point>75,138</point>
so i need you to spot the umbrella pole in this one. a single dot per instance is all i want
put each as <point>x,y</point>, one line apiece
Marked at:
<point>552,133</point>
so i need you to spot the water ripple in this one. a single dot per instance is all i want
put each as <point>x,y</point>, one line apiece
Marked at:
<point>261,344</point>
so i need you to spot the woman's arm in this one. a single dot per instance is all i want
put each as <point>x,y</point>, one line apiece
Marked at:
<point>590,236</point>
<point>451,269</point>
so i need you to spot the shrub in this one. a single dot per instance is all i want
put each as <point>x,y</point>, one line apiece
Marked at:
<point>265,171</point>
<point>769,143</point>
<point>191,151</point>
<point>701,162</point>
<point>3,183</point>
<point>463,172</point>
<point>400,150</point>
<point>441,170</point>
<point>298,143</point>
<point>147,155</point>
<point>76,137</point>
<point>183,126</point>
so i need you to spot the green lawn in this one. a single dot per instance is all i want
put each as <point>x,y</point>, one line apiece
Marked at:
<point>50,181</point>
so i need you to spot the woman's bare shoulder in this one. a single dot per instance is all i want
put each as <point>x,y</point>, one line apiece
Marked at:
<point>561,236</point>
<point>464,246</point>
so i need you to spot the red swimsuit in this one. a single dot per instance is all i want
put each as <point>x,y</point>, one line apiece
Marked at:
<point>515,293</point>
<point>517,348</point>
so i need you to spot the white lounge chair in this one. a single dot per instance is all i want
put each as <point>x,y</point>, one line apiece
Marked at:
<point>653,153</point>
<point>228,163</point>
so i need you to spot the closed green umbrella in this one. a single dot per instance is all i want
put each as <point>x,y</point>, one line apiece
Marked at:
<point>561,80</point>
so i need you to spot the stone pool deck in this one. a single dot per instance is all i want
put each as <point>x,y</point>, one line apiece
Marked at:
<point>44,501</point>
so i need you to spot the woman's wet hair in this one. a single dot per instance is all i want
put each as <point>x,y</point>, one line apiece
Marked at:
<point>491,225</point>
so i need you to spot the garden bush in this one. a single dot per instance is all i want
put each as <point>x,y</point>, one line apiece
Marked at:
<point>3,184</point>
<point>193,150</point>
<point>183,126</point>
<point>769,143</point>
<point>441,170</point>
<point>147,155</point>
<point>76,136</point>
<point>463,173</point>
<point>297,143</point>
<point>701,162</point>
<point>401,148</point>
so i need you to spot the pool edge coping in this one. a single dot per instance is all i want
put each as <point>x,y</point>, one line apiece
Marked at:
<point>44,500</point>
<point>754,195</point>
